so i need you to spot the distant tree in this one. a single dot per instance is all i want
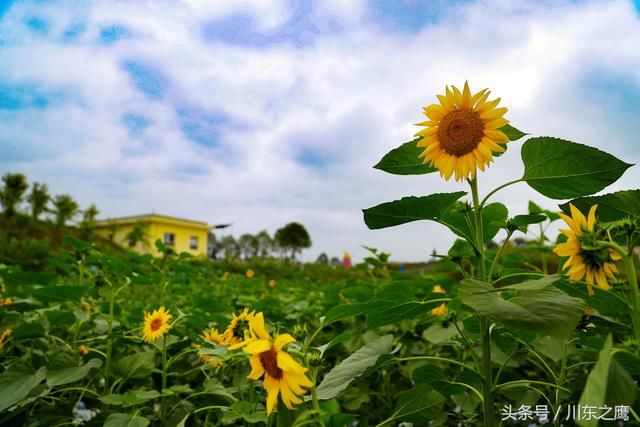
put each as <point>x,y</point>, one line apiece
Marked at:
<point>230,247</point>
<point>248,246</point>
<point>138,233</point>
<point>64,209</point>
<point>12,192</point>
<point>265,243</point>
<point>38,199</point>
<point>293,237</point>
<point>322,259</point>
<point>88,220</point>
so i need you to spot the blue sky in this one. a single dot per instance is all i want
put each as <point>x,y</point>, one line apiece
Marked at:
<point>263,112</point>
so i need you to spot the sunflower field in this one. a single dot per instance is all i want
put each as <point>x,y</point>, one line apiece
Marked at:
<point>542,332</point>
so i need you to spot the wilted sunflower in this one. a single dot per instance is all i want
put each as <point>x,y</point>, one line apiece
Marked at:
<point>283,375</point>
<point>237,333</point>
<point>215,337</point>
<point>462,133</point>
<point>594,264</point>
<point>442,308</point>
<point>156,324</point>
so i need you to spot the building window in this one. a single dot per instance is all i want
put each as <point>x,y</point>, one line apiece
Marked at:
<point>169,239</point>
<point>193,242</point>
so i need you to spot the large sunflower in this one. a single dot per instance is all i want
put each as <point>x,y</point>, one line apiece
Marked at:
<point>237,333</point>
<point>462,133</point>
<point>156,324</point>
<point>595,264</point>
<point>282,374</point>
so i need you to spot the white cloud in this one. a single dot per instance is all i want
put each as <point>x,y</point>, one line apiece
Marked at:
<point>351,96</point>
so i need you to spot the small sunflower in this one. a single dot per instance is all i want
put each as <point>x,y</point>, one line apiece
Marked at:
<point>462,133</point>
<point>237,333</point>
<point>156,324</point>
<point>4,336</point>
<point>6,301</point>
<point>595,264</point>
<point>283,375</point>
<point>215,337</point>
<point>442,308</point>
<point>83,350</point>
<point>249,273</point>
<point>271,283</point>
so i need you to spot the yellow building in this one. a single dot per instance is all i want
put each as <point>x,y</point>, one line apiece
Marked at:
<point>139,233</point>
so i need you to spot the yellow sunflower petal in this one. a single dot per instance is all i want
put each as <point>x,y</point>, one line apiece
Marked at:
<point>282,340</point>
<point>258,346</point>
<point>257,370</point>
<point>591,221</point>
<point>272,386</point>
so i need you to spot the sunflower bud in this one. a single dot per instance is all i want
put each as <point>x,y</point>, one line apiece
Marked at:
<point>314,359</point>
<point>300,331</point>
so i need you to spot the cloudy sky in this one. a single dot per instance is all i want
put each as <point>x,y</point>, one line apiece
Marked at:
<point>263,112</point>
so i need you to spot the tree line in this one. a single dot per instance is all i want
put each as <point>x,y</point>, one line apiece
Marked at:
<point>38,203</point>
<point>287,242</point>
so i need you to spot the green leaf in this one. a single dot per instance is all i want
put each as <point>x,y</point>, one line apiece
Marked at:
<point>524,221</point>
<point>409,209</point>
<point>611,207</point>
<point>607,303</point>
<point>16,278</point>
<point>562,169</point>
<point>339,339</point>
<point>130,398</point>
<point>28,330</point>
<point>427,374</point>
<point>214,387</point>
<point>126,420</point>
<point>533,284</point>
<point>353,366</point>
<point>405,160</point>
<point>512,133</point>
<point>137,365</point>
<point>340,312</point>
<point>608,382</point>
<point>64,369</point>
<point>60,293</point>
<point>393,303</point>
<point>16,383</point>
<point>418,405</point>
<point>494,217</point>
<point>546,311</point>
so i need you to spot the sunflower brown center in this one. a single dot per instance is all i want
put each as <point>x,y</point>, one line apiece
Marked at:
<point>240,328</point>
<point>269,360</point>
<point>155,324</point>
<point>460,132</point>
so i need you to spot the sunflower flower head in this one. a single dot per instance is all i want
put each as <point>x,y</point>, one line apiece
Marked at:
<point>83,350</point>
<point>4,336</point>
<point>215,337</point>
<point>156,324</point>
<point>442,308</point>
<point>238,333</point>
<point>249,273</point>
<point>271,283</point>
<point>586,258</point>
<point>462,132</point>
<point>283,375</point>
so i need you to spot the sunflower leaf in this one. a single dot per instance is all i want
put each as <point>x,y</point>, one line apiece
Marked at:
<point>611,207</point>
<point>512,133</point>
<point>339,378</point>
<point>409,209</point>
<point>562,169</point>
<point>405,160</point>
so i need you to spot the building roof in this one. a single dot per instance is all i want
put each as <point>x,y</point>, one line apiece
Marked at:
<point>153,217</point>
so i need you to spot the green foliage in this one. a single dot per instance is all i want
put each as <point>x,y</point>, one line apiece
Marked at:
<point>38,199</point>
<point>12,192</point>
<point>562,169</point>
<point>64,209</point>
<point>611,207</point>
<point>409,209</point>
<point>405,160</point>
<point>293,237</point>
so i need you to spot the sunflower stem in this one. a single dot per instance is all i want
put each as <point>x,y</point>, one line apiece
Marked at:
<point>107,363</point>
<point>485,327</point>
<point>495,190</point>
<point>164,378</point>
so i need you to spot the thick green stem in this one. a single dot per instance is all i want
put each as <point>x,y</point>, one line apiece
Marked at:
<point>560,382</point>
<point>485,326</point>
<point>107,368</point>
<point>545,266</point>
<point>164,378</point>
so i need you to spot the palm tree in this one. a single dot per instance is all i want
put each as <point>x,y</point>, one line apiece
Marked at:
<point>11,194</point>
<point>38,199</point>
<point>64,209</point>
